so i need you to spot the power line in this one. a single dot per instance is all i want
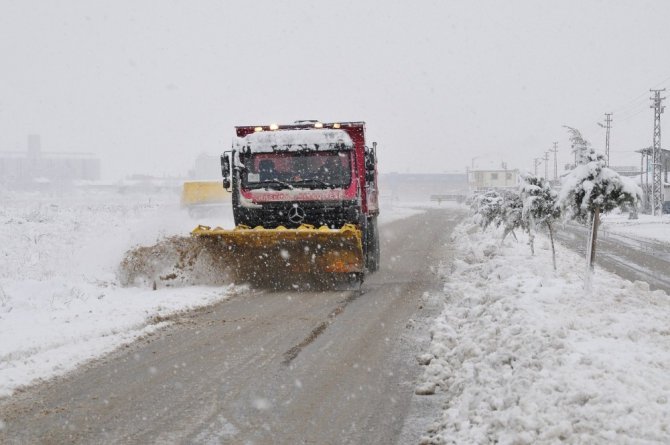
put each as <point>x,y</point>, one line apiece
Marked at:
<point>630,117</point>
<point>634,110</point>
<point>633,107</point>
<point>637,98</point>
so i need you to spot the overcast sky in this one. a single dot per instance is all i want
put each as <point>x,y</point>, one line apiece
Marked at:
<point>148,85</point>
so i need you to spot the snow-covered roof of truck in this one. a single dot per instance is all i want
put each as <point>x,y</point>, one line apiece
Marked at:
<point>296,140</point>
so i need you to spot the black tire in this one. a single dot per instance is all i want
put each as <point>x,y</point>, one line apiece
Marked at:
<point>371,237</point>
<point>237,217</point>
<point>358,279</point>
<point>376,246</point>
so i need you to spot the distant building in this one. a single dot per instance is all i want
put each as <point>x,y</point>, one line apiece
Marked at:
<point>492,179</point>
<point>35,166</point>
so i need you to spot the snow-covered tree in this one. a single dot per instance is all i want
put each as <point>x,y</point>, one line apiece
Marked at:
<point>591,189</point>
<point>501,209</point>
<point>539,207</point>
<point>487,208</point>
<point>580,146</point>
<point>511,214</point>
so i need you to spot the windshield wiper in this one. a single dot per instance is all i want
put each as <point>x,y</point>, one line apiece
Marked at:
<point>315,181</point>
<point>274,181</point>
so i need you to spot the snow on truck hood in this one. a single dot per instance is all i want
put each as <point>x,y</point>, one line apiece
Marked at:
<point>295,140</point>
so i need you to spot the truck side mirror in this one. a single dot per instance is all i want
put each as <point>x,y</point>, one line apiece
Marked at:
<point>225,170</point>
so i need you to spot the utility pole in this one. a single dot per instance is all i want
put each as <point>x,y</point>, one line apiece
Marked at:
<point>554,151</point>
<point>536,161</point>
<point>608,125</point>
<point>546,165</point>
<point>656,185</point>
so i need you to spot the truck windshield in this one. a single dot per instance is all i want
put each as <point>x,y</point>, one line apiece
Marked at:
<point>328,169</point>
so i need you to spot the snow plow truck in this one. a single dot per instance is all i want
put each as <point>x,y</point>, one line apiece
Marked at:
<point>304,198</point>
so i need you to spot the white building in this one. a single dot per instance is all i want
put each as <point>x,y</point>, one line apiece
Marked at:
<point>485,179</point>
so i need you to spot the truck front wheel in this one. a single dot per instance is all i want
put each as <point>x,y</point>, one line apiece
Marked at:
<point>371,237</point>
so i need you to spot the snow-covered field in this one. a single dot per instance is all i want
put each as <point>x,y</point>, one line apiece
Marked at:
<point>522,355</point>
<point>60,301</point>
<point>655,228</point>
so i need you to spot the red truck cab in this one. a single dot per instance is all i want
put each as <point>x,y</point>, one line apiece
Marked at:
<point>309,172</point>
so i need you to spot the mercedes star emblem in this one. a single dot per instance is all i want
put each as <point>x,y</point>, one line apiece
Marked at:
<point>296,214</point>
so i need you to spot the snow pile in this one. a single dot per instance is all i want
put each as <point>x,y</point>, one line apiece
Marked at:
<point>60,300</point>
<point>522,355</point>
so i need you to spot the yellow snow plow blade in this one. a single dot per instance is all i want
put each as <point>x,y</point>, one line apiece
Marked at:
<point>203,192</point>
<point>305,249</point>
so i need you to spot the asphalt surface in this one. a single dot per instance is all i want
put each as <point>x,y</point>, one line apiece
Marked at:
<point>628,257</point>
<point>282,367</point>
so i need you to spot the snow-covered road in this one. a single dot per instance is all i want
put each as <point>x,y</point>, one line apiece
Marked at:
<point>627,255</point>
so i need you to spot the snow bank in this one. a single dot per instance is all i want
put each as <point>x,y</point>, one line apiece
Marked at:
<point>60,302</point>
<point>522,355</point>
